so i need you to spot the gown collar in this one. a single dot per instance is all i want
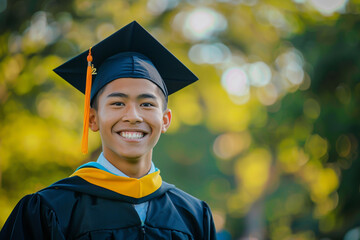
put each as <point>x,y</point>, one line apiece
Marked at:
<point>98,175</point>
<point>112,169</point>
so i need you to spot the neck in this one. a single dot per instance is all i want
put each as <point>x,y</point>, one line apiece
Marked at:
<point>132,167</point>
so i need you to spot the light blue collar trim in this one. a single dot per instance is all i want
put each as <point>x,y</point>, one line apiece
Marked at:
<point>94,165</point>
<point>107,166</point>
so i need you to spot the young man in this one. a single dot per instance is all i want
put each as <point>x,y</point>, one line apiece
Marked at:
<point>121,196</point>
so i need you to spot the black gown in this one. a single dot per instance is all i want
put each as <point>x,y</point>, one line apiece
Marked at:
<point>94,204</point>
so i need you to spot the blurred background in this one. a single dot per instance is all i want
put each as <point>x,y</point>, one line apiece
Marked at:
<point>269,136</point>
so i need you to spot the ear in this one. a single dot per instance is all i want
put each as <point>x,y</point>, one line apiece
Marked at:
<point>166,120</point>
<point>93,120</point>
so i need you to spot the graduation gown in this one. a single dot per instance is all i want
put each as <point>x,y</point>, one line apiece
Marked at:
<point>95,204</point>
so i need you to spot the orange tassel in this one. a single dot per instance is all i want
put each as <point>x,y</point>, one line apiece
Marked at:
<point>84,142</point>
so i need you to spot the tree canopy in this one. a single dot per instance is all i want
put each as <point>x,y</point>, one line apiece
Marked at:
<point>269,136</point>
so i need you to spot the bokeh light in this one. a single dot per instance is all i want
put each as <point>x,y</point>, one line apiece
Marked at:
<point>269,14</point>
<point>312,108</point>
<point>291,157</point>
<point>202,23</point>
<point>294,73</point>
<point>228,145</point>
<point>215,53</point>
<point>187,110</point>
<point>259,74</point>
<point>104,30</point>
<point>219,219</point>
<point>157,7</point>
<point>235,81</point>
<point>291,66</point>
<point>321,182</point>
<point>328,7</point>
<point>41,30</point>
<point>316,146</point>
<point>353,234</point>
<point>256,163</point>
<point>343,93</point>
<point>3,5</point>
<point>343,146</point>
<point>267,95</point>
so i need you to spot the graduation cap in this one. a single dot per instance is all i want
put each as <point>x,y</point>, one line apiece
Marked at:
<point>129,52</point>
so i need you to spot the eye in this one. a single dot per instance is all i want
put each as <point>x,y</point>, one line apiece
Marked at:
<point>118,104</point>
<point>147,104</point>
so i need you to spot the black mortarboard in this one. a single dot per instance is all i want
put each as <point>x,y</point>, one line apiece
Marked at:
<point>129,52</point>
<point>131,38</point>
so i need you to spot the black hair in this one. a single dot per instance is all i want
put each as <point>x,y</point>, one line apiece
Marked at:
<point>95,101</point>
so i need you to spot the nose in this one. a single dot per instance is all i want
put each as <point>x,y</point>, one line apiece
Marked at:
<point>132,115</point>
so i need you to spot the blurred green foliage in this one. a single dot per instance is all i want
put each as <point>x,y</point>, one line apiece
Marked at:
<point>269,136</point>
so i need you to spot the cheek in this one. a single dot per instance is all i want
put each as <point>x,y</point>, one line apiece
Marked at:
<point>160,123</point>
<point>107,118</point>
<point>155,119</point>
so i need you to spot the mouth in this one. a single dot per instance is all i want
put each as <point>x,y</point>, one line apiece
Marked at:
<point>132,135</point>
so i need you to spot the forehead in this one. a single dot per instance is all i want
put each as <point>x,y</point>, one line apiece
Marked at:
<point>132,86</point>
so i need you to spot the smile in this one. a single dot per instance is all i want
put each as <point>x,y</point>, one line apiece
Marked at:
<point>132,135</point>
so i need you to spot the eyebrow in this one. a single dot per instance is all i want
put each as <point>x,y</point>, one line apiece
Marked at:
<point>117,94</point>
<point>123,95</point>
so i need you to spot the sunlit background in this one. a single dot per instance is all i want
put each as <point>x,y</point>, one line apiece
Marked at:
<point>269,136</point>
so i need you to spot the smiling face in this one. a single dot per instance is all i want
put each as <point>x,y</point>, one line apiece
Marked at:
<point>130,119</point>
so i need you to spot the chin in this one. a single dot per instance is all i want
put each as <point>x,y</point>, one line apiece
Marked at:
<point>131,157</point>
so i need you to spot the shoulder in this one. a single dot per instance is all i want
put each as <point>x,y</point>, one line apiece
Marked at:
<point>43,199</point>
<point>181,195</point>
<point>32,218</point>
<point>183,199</point>
<point>55,197</point>
<point>53,202</point>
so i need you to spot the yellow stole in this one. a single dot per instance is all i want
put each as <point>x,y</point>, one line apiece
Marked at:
<point>131,187</point>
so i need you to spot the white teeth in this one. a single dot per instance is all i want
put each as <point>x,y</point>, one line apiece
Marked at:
<point>132,135</point>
